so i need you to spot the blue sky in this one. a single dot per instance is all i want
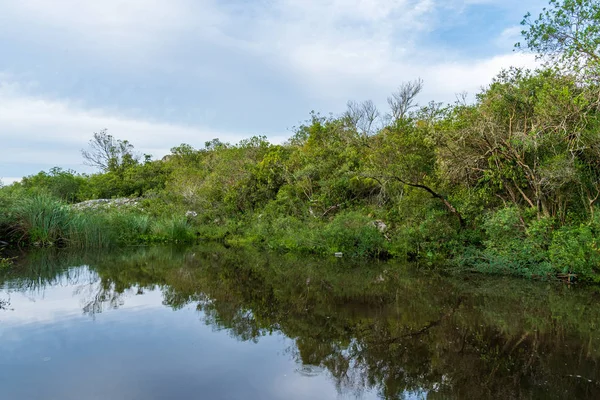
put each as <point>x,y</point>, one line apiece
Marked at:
<point>164,72</point>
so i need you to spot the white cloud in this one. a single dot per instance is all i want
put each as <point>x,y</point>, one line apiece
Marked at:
<point>445,79</point>
<point>341,49</point>
<point>336,48</point>
<point>123,30</point>
<point>509,36</point>
<point>40,131</point>
<point>36,130</point>
<point>7,180</point>
<point>327,51</point>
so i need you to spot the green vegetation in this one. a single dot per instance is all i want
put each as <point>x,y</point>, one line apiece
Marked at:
<point>5,262</point>
<point>43,220</point>
<point>509,184</point>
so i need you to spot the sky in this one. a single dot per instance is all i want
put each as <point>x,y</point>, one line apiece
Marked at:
<point>164,72</point>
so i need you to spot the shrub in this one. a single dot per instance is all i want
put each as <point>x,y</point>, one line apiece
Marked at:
<point>515,246</point>
<point>354,234</point>
<point>575,250</point>
<point>282,233</point>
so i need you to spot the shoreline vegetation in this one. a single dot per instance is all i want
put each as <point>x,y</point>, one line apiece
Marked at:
<point>508,184</point>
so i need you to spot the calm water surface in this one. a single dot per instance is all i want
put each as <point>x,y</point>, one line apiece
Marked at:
<point>212,323</point>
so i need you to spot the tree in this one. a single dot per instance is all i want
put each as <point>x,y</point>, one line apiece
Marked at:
<point>403,99</point>
<point>531,140</point>
<point>64,184</point>
<point>109,154</point>
<point>567,34</point>
<point>405,154</point>
<point>362,117</point>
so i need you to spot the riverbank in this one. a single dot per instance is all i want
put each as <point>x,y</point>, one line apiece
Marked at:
<point>543,252</point>
<point>507,184</point>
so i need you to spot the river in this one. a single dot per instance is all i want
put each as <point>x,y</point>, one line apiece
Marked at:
<point>214,323</point>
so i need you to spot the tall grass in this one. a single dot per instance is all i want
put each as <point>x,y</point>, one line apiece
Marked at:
<point>172,229</point>
<point>42,220</point>
<point>90,230</point>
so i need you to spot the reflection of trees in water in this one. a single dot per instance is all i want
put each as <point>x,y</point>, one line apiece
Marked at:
<point>409,336</point>
<point>398,334</point>
<point>35,280</point>
<point>98,296</point>
<point>42,270</point>
<point>4,304</point>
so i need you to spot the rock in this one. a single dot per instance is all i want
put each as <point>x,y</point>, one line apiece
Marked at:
<point>380,225</point>
<point>106,203</point>
<point>191,214</point>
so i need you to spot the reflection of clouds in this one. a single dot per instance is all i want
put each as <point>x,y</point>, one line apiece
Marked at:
<point>66,296</point>
<point>317,386</point>
<point>35,289</point>
<point>144,352</point>
<point>48,328</point>
<point>96,298</point>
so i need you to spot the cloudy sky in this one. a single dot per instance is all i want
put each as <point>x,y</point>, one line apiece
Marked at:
<point>164,72</point>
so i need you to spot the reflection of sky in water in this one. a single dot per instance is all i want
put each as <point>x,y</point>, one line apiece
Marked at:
<point>143,350</point>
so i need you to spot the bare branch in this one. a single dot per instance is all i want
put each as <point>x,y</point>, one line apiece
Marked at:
<point>363,116</point>
<point>403,99</point>
<point>106,152</point>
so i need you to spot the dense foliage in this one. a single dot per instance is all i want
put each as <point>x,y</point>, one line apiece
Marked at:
<point>508,184</point>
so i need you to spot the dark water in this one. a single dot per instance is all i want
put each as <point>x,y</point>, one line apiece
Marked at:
<point>210,323</point>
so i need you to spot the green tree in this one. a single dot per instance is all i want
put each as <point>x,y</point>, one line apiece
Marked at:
<point>528,140</point>
<point>405,151</point>
<point>109,154</point>
<point>63,184</point>
<point>568,33</point>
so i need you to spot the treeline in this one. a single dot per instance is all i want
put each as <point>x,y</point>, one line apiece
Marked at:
<point>507,184</point>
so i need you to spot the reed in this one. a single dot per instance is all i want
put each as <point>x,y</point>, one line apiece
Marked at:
<point>172,229</point>
<point>41,219</point>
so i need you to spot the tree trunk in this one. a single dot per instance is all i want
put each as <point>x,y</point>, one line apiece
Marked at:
<point>436,195</point>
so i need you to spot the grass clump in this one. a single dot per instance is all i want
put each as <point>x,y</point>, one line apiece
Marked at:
<point>175,229</point>
<point>6,262</point>
<point>42,220</point>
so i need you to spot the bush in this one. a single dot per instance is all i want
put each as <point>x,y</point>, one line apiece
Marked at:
<point>575,250</point>
<point>58,183</point>
<point>433,239</point>
<point>516,243</point>
<point>281,233</point>
<point>355,235</point>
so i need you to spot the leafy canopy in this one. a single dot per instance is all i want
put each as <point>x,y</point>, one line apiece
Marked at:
<point>567,34</point>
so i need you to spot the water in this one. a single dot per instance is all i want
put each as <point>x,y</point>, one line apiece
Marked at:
<point>212,323</point>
